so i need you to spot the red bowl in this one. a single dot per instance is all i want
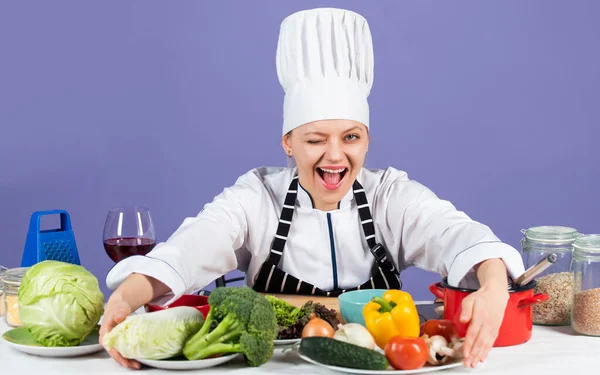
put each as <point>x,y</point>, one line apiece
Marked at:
<point>200,303</point>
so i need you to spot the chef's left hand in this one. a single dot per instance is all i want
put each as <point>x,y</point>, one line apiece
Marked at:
<point>483,310</point>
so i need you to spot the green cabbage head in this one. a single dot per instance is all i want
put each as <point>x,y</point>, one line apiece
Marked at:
<point>60,303</point>
<point>156,335</point>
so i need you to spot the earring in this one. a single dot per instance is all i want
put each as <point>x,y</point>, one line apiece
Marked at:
<point>289,153</point>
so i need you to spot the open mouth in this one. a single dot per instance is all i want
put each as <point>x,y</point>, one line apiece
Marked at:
<point>332,177</point>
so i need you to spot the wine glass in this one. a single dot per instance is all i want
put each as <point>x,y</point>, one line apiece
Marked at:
<point>128,231</point>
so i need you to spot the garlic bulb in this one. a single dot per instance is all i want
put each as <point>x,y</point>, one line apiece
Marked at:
<point>356,334</point>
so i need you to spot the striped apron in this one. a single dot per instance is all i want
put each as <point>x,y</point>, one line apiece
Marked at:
<point>272,279</point>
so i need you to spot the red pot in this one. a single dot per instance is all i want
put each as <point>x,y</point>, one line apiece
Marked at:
<point>200,303</point>
<point>518,317</point>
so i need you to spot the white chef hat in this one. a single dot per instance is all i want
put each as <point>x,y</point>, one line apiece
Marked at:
<point>325,66</point>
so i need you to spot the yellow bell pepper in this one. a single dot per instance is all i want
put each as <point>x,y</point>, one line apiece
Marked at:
<point>393,314</point>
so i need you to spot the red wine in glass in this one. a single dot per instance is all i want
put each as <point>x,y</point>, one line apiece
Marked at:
<point>121,248</point>
<point>128,231</point>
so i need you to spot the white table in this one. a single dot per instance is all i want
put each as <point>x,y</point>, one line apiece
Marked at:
<point>552,350</point>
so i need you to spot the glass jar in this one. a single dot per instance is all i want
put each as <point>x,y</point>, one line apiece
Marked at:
<point>586,285</point>
<point>12,282</point>
<point>556,281</point>
<point>2,303</point>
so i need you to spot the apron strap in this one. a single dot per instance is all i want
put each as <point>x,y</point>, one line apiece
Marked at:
<point>378,250</point>
<point>285,222</point>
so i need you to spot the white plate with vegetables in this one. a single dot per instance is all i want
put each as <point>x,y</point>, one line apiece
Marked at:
<point>20,339</point>
<point>353,359</point>
<point>352,349</point>
<point>239,323</point>
<point>181,363</point>
<point>389,371</point>
<point>279,342</point>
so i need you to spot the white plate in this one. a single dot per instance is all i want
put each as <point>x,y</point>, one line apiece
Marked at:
<point>20,339</point>
<point>390,371</point>
<point>169,364</point>
<point>286,342</point>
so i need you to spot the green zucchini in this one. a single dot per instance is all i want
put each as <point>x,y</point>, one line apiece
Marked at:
<point>334,352</point>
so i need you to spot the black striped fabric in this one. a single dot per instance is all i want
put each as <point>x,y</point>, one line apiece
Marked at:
<point>272,279</point>
<point>378,251</point>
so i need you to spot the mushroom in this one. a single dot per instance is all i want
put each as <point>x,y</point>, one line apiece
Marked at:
<point>439,351</point>
<point>457,346</point>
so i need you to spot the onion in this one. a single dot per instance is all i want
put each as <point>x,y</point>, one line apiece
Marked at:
<point>356,334</point>
<point>317,327</point>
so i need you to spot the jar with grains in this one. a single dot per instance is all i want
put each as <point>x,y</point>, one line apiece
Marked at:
<point>586,285</point>
<point>2,303</point>
<point>557,280</point>
<point>12,282</point>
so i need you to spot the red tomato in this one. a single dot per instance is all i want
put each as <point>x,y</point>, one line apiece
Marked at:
<point>441,327</point>
<point>407,353</point>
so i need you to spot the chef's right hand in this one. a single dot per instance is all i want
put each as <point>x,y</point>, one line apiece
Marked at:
<point>116,311</point>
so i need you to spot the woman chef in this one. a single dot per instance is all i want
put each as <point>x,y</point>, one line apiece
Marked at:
<point>327,225</point>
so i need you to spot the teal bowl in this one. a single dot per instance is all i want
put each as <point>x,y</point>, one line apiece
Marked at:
<point>351,304</point>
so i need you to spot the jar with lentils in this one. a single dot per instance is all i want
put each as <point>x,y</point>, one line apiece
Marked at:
<point>12,283</point>
<point>556,281</point>
<point>585,319</point>
<point>2,302</point>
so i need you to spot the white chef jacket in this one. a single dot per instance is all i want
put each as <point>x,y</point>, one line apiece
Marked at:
<point>236,229</point>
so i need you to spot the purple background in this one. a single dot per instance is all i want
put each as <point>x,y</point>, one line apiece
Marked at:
<point>494,105</point>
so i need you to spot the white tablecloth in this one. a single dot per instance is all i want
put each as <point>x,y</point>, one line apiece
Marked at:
<point>551,350</point>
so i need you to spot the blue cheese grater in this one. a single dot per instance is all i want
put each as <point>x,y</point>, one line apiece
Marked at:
<point>53,244</point>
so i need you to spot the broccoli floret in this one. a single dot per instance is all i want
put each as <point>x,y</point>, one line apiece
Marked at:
<point>218,295</point>
<point>256,347</point>
<point>242,317</point>
<point>263,320</point>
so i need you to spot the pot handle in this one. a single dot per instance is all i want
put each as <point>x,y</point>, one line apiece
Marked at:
<point>541,297</point>
<point>437,290</point>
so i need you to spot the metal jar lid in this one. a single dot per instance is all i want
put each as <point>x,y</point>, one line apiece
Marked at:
<point>588,244</point>
<point>2,272</point>
<point>14,276</point>
<point>551,234</point>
